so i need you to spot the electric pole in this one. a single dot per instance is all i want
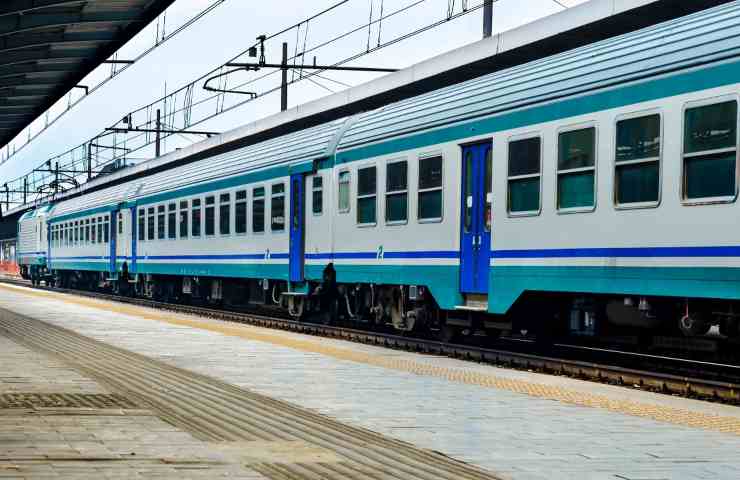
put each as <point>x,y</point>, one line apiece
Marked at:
<point>487,18</point>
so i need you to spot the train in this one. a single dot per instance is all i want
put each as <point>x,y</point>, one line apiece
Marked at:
<point>587,192</point>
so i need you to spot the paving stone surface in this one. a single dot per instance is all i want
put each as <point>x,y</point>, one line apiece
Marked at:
<point>85,442</point>
<point>516,435</point>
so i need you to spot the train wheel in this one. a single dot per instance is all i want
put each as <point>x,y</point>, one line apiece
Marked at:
<point>693,325</point>
<point>730,327</point>
<point>448,333</point>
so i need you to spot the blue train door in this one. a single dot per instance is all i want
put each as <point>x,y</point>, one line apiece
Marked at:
<point>113,238</point>
<point>475,236</point>
<point>297,237</point>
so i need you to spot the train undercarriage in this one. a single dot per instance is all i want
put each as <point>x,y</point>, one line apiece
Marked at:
<point>645,322</point>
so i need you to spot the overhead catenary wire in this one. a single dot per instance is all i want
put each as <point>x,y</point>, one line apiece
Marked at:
<point>190,105</point>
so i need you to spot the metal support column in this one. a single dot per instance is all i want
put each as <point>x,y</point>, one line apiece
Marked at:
<point>89,161</point>
<point>487,18</point>
<point>159,127</point>
<point>284,84</point>
<point>25,190</point>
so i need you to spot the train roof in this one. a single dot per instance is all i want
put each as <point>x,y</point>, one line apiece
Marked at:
<point>40,211</point>
<point>576,26</point>
<point>296,151</point>
<point>701,38</point>
<point>688,42</point>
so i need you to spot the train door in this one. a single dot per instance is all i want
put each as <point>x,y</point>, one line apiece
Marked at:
<point>123,226</point>
<point>113,229</point>
<point>297,223</point>
<point>475,241</point>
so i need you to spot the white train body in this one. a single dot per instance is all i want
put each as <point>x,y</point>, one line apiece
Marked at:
<point>619,109</point>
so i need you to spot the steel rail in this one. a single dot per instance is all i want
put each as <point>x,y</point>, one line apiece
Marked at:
<point>661,382</point>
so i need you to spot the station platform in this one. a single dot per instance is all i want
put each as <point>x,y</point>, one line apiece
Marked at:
<point>413,416</point>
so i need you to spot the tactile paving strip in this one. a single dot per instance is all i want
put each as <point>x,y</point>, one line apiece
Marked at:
<point>676,416</point>
<point>64,400</point>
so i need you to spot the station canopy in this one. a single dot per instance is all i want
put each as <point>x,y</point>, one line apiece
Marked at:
<point>48,46</point>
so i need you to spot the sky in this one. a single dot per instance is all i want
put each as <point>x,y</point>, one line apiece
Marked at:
<point>231,28</point>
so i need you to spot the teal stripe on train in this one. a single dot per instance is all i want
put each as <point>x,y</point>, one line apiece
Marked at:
<point>82,266</point>
<point>508,283</point>
<point>442,281</point>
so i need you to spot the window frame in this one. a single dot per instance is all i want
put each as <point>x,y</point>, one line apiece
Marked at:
<point>515,138</point>
<point>314,189</point>
<point>631,116</point>
<point>172,226</point>
<point>253,201</point>
<point>245,202</point>
<point>141,224</point>
<point>286,206</point>
<point>682,190</point>
<point>200,210</point>
<point>358,197</point>
<point>230,204</point>
<point>349,187</point>
<point>151,223</point>
<point>212,206</point>
<point>180,211</point>
<point>161,217</point>
<point>441,187</point>
<point>572,128</point>
<point>386,193</point>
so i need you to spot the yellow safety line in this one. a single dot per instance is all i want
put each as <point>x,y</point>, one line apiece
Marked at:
<point>677,416</point>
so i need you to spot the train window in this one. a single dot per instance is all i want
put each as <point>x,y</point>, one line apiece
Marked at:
<point>396,192</point>
<point>524,176</point>
<point>172,221</point>
<point>224,214</point>
<point>150,223</point>
<point>93,238</point>
<point>141,225</point>
<point>120,223</point>
<point>77,234</point>
<point>343,192</point>
<point>367,187</point>
<point>277,208</point>
<point>240,212</point>
<point>710,152</point>
<point>100,229</point>
<point>488,220</point>
<point>160,222</point>
<point>196,217</point>
<point>317,195</point>
<point>258,210</point>
<point>106,229</point>
<point>576,169</point>
<point>184,219</point>
<point>210,216</point>
<point>87,231</point>
<point>637,161</point>
<point>430,189</point>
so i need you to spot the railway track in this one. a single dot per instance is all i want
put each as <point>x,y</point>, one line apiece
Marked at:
<point>668,375</point>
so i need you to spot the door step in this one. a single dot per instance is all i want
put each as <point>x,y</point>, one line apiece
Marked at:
<point>474,303</point>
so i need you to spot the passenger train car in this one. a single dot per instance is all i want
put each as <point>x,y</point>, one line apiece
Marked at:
<point>33,243</point>
<point>592,189</point>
